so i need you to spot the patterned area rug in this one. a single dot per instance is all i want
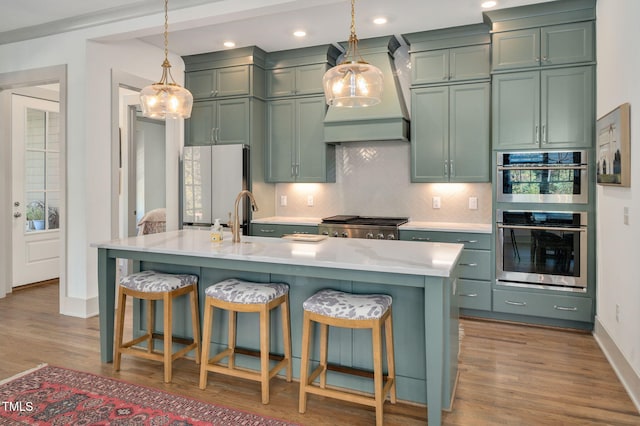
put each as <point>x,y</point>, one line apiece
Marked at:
<point>58,396</point>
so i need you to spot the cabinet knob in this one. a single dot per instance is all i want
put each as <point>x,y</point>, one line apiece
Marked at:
<point>545,59</point>
<point>537,58</point>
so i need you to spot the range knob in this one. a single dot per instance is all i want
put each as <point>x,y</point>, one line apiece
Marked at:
<point>380,236</point>
<point>344,235</point>
<point>391,237</point>
<point>369,235</point>
<point>325,233</point>
<point>335,234</point>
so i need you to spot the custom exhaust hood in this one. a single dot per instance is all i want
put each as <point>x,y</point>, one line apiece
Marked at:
<point>386,121</point>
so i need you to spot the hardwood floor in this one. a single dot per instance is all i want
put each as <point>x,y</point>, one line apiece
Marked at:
<point>509,374</point>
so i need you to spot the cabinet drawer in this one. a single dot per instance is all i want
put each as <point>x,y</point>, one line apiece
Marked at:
<point>278,230</point>
<point>474,294</point>
<point>543,305</point>
<point>475,264</point>
<point>470,240</point>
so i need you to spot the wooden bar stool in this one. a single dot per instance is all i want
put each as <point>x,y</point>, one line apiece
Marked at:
<point>339,309</point>
<point>235,296</point>
<point>152,286</point>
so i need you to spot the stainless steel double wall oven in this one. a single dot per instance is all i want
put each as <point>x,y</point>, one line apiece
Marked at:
<point>544,246</point>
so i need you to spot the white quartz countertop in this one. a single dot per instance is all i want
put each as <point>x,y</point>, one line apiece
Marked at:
<point>479,228</point>
<point>400,257</point>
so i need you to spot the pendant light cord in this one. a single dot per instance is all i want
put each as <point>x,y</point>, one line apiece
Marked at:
<point>166,29</point>
<point>352,50</point>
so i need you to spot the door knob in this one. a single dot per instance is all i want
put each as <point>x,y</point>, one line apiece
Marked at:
<point>17,203</point>
<point>17,214</point>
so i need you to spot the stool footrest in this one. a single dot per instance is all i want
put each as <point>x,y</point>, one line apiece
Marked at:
<point>342,395</point>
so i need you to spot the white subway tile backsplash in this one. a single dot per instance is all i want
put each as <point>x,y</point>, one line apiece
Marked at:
<point>373,178</point>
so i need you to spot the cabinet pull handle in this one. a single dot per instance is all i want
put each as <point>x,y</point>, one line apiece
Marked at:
<point>420,239</point>
<point>467,241</point>
<point>544,133</point>
<point>537,135</point>
<point>565,308</point>
<point>473,265</point>
<point>509,302</point>
<point>267,231</point>
<point>446,169</point>
<point>545,59</point>
<point>212,136</point>
<point>293,169</point>
<point>452,171</point>
<point>537,58</point>
<point>468,295</point>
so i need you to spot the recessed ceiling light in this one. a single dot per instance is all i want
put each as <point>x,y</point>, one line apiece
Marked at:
<point>488,4</point>
<point>299,33</point>
<point>229,44</point>
<point>380,20</point>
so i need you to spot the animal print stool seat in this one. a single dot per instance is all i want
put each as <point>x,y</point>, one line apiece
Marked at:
<point>153,286</point>
<point>235,295</point>
<point>339,309</point>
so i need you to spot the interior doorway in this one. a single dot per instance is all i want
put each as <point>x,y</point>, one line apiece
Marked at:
<point>33,83</point>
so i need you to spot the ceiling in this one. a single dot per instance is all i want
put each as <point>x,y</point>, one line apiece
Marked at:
<point>198,26</point>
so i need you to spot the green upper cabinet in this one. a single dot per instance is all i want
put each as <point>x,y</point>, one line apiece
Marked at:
<point>295,81</point>
<point>449,111</point>
<point>219,122</point>
<point>296,109</point>
<point>220,82</point>
<point>544,109</point>
<point>547,46</point>
<point>450,133</point>
<point>296,151</point>
<point>444,65</point>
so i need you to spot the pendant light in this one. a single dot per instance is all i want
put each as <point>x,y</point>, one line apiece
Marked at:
<point>354,82</point>
<point>166,99</point>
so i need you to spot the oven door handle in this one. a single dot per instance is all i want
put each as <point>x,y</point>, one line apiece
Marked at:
<point>542,228</point>
<point>539,167</point>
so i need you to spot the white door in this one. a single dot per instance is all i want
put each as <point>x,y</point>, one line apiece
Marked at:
<point>35,189</point>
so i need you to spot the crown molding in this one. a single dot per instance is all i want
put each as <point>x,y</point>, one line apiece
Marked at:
<point>106,16</point>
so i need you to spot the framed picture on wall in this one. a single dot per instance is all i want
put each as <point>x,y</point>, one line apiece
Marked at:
<point>613,148</point>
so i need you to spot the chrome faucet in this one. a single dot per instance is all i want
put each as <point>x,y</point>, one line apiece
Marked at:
<point>235,228</point>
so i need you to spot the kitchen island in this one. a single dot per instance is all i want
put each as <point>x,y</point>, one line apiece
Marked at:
<point>421,278</point>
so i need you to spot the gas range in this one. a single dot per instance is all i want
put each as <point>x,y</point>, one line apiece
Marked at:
<point>371,227</point>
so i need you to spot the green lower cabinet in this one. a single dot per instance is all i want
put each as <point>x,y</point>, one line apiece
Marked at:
<point>278,230</point>
<point>572,308</point>
<point>474,294</point>
<point>475,264</point>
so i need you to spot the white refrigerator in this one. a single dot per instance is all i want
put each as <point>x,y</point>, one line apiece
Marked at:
<point>212,177</point>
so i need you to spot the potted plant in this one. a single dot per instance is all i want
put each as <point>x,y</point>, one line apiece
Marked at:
<point>35,215</point>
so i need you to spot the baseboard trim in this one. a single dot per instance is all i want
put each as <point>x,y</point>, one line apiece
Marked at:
<point>625,372</point>
<point>82,308</point>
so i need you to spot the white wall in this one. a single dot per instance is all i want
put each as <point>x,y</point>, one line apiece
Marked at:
<point>89,67</point>
<point>618,281</point>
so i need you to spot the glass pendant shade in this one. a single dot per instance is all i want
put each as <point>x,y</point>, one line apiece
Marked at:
<point>166,98</point>
<point>353,84</point>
